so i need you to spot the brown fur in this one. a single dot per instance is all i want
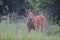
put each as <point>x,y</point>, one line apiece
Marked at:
<point>34,22</point>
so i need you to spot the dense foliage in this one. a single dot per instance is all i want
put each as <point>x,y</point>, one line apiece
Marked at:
<point>45,6</point>
<point>40,4</point>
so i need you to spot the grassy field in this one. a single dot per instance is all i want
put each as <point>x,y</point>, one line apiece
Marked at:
<point>19,32</point>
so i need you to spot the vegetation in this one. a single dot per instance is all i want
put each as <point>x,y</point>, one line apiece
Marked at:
<point>18,31</point>
<point>40,4</point>
<point>10,32</point>
<point>44,6</point>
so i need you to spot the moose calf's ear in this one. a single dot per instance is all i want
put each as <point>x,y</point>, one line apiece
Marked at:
<point>26,11</point>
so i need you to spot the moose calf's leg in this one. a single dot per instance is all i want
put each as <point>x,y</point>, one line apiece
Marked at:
<point>42,28</point>
<point>36,28</point>
<point>29,30</point>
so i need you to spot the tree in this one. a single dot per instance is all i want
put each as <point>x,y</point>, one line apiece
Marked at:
<point>48,7</point>
<point>40,4</point>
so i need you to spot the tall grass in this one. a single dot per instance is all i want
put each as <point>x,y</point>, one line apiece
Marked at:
<point>19,32</point>
<point>0,36</point>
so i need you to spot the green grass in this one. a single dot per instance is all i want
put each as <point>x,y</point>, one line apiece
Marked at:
<point>13,32</point>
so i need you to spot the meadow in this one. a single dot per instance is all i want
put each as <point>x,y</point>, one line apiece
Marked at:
<point>19,32</point>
